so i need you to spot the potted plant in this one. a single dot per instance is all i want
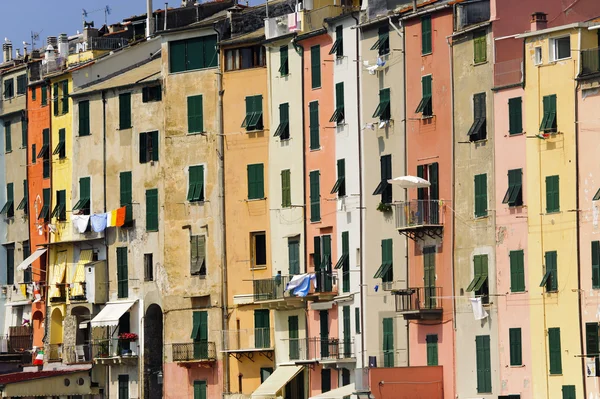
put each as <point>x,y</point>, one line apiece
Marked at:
<point>128,337</point>
<point>383,207</point>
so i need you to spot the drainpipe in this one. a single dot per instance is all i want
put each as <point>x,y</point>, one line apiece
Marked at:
<point>360,194</point>
<point>106,273</point>
<point>221,178</point>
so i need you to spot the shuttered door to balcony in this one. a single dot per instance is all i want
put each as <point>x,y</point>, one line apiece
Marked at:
<point>346,324</point>
<point>293,337</point>
<point>429,276</point>
<point>484,376</point>
<point>122,273</point>
<point>388,342</point>
<point>200,334</point>
<point>324,330</point>
<point>261,328</point>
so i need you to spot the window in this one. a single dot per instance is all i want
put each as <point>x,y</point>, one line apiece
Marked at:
<point>194,53</point>
<point>55,98</point>
<point>517,271</point>
<point>386,270</point>
<point>426,47</point>
<point>286,189</point>
<point>325,380</point>
<point>265,372</point>
<point>479,47</point>
<point>591,339</point>
<point>195,114</point>
<point>152,93</point>
<point>382,45</point>
<point>514,335</point>
<point>315,196</point>
<point>478,130</point>
<point>357,320</point>
<point>283,130</point>
<point>514,195</point>
<point>24,126</point>
<point>9,207</point>
<point>21,84</point>
<point>83,205</point>
<point>340,184</point>
<point>294,256</point>
<point>568,392</point>
<point>552,194</point>
<point>65,97</point>
<point>426,105</point>
<point>84,118</point>
<point>345,377</point>
<point>256,181</point>
<point>344,262</point>
<point>561,48</point>
<point>432,349</point>
<point>7,136</point>
<point>123,386</point>
<point>555,351</point>
<point>124,110</point>
<point>152,210</point>
<point>479,285</point>
<point>338,114</point>
<point>254,113</point>
<point>480,195</point>
<point>34,94</point>
<point>294,347</point>
<point>44,95</point>
<point>196,183</point>
<point>244,58</point>
<point>60,149</point>
<point>148,267</point>
<point>383,110</point>
<point>596,264</point>
<point>33,154</point>
<point>322,263</point>
<point>200,391</point>
<point>262,329</point>
<point>315,66</point>
<point>45,152</point>
<point>550,279</point>
<point>45,211</point>
<point>148,147</point>
<point>549,121</point>
<point>338,45</point>
<point>26,253</point>
<point>537,58</point>
<point>200,334</point>
<point>23,205</point>
<point>484,372</point>
<point>60,211</point>
<point>125,195</point>
<point>284,63</point>
<point>198,255</point>
<point>384,188</point>
<point>388,342</point>
<point>515,115</point>
<point>313,109</point>
<point>122,273</point>
<point>10,263</point>
<point>324,332</point>
<point>259,249</point>
<point>9,88</point>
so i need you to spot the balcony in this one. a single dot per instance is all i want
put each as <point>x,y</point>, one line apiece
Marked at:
<point>422,303</point>
<point>77,354</point>
<point>590,62</point>
<point>322,350</point>
<point>419,218</point>
<point>54,352</point>
<point>238,343</point>
<point>105,43</point>
<point>194,352</point>
<point>301,21</point>
<point>115,351</point>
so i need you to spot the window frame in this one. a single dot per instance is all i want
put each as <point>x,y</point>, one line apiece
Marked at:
<point>338,115</point>
<point>61,147</point>
<point>426,35</point>
<point>339,187</point>
<point>517,270</point>
<point>554,351</point>
<point>148,267</point>
<point>284,61</point>
<point>283,129</point>
<point>480,46</point>
<point>196,186</point>
<point>382,45</point>
<point>9,206</point>
<point>84,204</point>
<point>152,216</point>
<point>514,193</point>
<point>515,116</point>
<point>204,41</point>
<point>383,110</point>
<point>60,211</point>
<point>483,364</point>
<point>315,66</point>
<point>478,130</point>
<point>152,93</point>
<point>384,188</point>
<point>425,106</point>
<point>552,194</point>
<point>286,188</point>
<point>549,122</point>
<point>338,45</point>
<point>7,136</point>
<point>149,146</point>
<point>198,262</point>
<point>125,119</point>
<point>313,126</point>
<point>253,121</point>
<point>9,88</point>
<point>315,195</point>
<point>254,250</point>
<point>195,114</point>
<point>256,181</point>
<point>516,346</point>
<point>554,46</point>
<point>550,279</point>
<point>481,197</point>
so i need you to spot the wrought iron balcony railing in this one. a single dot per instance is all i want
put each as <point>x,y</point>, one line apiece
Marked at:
<point>114,348</point>
<point>417,213</point>
<point>419,300</point>
<point>194,351</point>
<point>271,288</point>
<point>317,348</point>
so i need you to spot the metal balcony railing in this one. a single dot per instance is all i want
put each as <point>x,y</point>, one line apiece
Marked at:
<point>271,288</point>
<point>255,339</point>
<point>55,352</point>
<point>105,43</point>
<point>417,299</point>
<point>77,353</point>
<point>52,66</point>
<point>590,61</point>
<point>417,213</point>
<point>114,347</point>
<point>318,348</point>
<point>194,351</point>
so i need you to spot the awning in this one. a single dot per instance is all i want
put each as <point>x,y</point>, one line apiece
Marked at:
<point>276,381</point>
<point>410,182</point>
<point>338,393</point>
<point>18,303</point>
<point>31,258</point>
<point>109,316</point>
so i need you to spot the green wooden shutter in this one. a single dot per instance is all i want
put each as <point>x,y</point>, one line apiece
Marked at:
<point>124,110</point>
<point>339,96</point>
<point>293,336</point>
<point>44,95</point>
<point>515,115</point>
<point>346,264</point>
<point>84,187</point>
<point>256,181</point>
<point>314,125</point>
<point>315,196</point>
<point>421,174</point>
<point>346,330</point>
<point>517,271</point>
<point>325,380</point>
<point>155,144</point>
<point>125,195</point>
<point>211,57</point>
<point>552,194</point>
<point>515,346</point>
<point>84,118</point>
<point>65,97</point>
<point>152,210</point>
<point>262,337</point>
<point>317,253</point>
<point>294,256</point>
<point>568,392</point>
<point>194,53</point>
<point>341,177</point>
<point>195,117</point>
<point>24,132</point>
<point>177,61</point>
<point>283,61</point>
<point>555,351</point>
<point>426,34</point>
<point>481,195</point>
<point>122,272</point>
<point>551,266</point>
<point>357,320</point>
<point>33,154</point>
<point>315,66</point>
<point>324,332</point>
<point>484,377</point>
<point>479,47</point>
<point>595,264</point>
<point>286,195</point>
<point>388,342</point>
<point>7,136</point>
<point>200,389</point>
<point>591,339</point>
<point>432,349</point>
<point>55,98</point>
<point>387,257</point>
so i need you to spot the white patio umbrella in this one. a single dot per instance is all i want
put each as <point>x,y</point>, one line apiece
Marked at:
<point>410,182</point>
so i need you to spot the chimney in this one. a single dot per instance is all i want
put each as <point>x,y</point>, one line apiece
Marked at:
<point>538,21</point>
<point>7,50</point>
<point>63,45</point>
<point>414,5</point>
<point>52,41</point>
<point>149,18</point>
<point>18,54</point>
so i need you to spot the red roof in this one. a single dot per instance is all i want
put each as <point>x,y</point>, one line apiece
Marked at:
<point>34,375</point>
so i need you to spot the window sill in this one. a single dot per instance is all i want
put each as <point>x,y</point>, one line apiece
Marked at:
<point>151,231</point>
<point>259,268</point>
<point>515,206</point>
<point>552,213</point>
<point>554,375</point>
<point>284,140</point>
<point>517,292</point>
<point>84,135</point>
<point>255,131</point>
<point>423,117</point>
<point>256,199</point>
<point>316,88</point>
<point>479,141</point>
<point>481,217</point>
<point>315,221</point>
<point>199,202</point>
<point>202,133</point>
<point>124,128</point>
<point>479,63</point>
<point>315,149</point>
<point>519,366</point>
<point>426,54</point>
<point>8,152</point>
<point>515,134</point>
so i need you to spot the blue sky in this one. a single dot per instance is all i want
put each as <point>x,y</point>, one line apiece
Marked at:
<point>53,17</point>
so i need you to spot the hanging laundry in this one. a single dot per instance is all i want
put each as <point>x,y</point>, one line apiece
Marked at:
<point>478,311</point>
<point>111,218</point>
<point>120,216</point>
<point>300,285</point>
<point>98,222</point>
<point>80,222</point>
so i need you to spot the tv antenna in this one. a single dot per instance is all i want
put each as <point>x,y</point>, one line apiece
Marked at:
<point>107,10</point>
<point>35,36</point>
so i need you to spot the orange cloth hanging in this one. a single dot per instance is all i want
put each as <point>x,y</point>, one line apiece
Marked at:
<point>120,216</point>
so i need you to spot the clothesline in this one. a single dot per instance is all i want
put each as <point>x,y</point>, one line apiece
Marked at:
<point>99,221</point>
